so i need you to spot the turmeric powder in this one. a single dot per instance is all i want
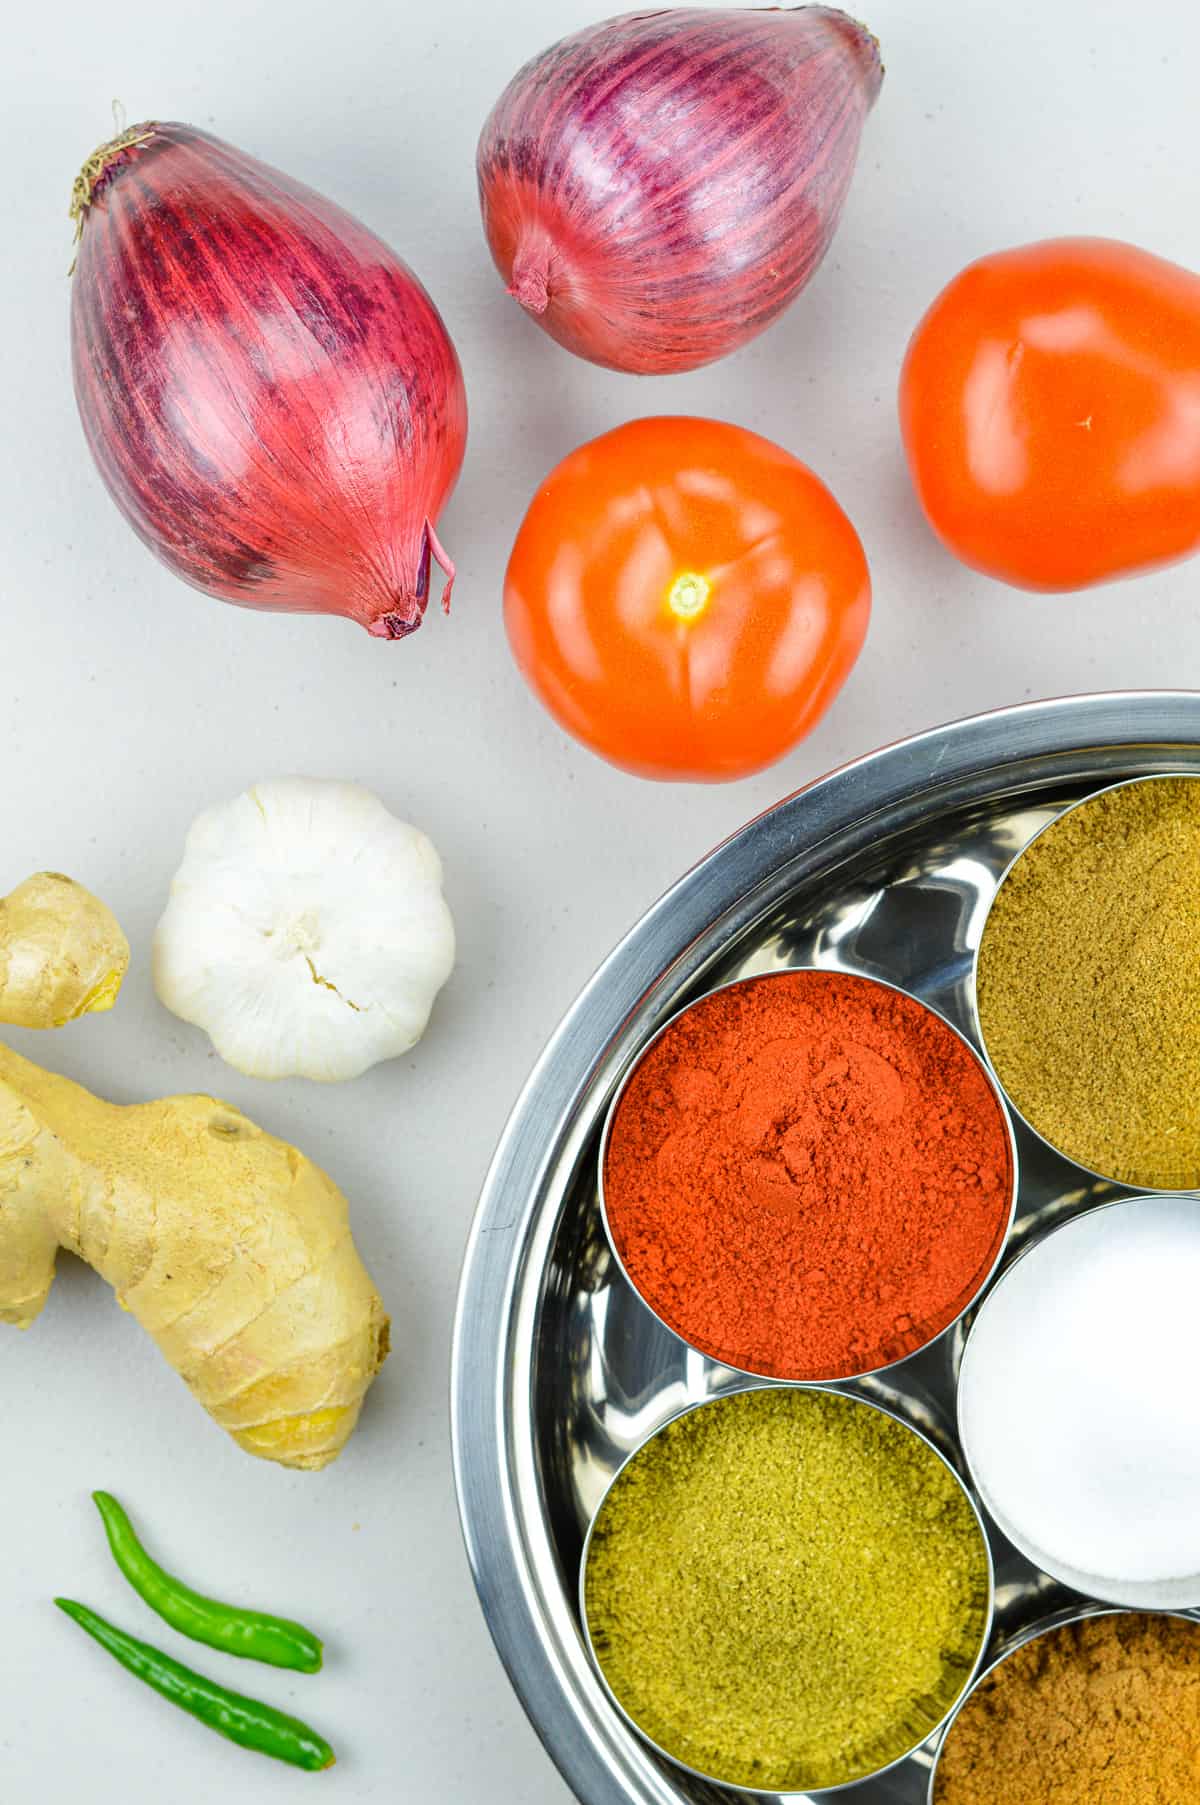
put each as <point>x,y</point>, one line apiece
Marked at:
<point>786,1589</point>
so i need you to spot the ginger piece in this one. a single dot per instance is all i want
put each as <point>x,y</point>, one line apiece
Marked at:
<point>62,953</point>
<point>230,1248</point>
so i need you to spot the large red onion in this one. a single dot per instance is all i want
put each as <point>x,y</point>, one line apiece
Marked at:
<point>657,189</point>
<point>267,390</point>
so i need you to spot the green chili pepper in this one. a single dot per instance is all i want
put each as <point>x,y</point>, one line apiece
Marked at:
<point>252,1634</point>
<point>243,1720</point>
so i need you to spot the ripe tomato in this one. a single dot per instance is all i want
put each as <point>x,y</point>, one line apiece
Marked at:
<point>1050,407</point>
<point>686,598</point>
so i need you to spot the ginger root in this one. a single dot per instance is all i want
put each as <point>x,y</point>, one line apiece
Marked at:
<point>231,1249</point>
<point>62,953</point>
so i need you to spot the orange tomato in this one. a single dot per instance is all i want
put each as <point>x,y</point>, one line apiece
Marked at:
<point>686,598</point>
<point>1050,409</point>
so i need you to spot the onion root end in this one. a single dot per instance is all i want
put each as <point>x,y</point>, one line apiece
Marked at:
<point>531,283</point>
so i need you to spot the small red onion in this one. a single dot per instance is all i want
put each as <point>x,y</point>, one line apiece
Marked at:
<point>657,189</point>
<point>267,390</point>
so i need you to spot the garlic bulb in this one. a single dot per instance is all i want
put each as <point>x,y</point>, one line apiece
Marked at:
<point>306,931</point>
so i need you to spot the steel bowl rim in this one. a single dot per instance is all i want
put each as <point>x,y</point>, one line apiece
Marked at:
<point>1095,1586</point>
<point>827,1379</point>
<point>1108,1178</point>
<point>1045,1626</point>
<point>848,1397</point>
<point>1005,750</point>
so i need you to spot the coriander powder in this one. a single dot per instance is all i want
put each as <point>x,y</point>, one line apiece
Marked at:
<point>1088,983</point>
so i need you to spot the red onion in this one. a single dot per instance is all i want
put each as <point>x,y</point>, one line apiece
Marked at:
<point>268,392</point>
<point>657,189</point>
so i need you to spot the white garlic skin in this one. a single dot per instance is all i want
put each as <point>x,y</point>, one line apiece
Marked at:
<point>306,931</point>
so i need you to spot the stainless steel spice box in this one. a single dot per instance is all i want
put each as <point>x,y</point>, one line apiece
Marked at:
<point>885,867</point>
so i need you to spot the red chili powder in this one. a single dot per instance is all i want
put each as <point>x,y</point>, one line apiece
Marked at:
<point>808,1175</point>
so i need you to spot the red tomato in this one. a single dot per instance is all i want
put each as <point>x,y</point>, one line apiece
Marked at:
<point>1050,407</point>
<point>686,598</point>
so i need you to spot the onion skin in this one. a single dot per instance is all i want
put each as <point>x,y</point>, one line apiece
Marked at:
<point>657,189</point>
<point>268,392</point>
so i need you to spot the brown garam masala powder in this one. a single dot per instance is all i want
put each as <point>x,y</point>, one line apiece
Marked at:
<point>1104,1712</point>
<point>1089,983</point>
<point>786,1589</point>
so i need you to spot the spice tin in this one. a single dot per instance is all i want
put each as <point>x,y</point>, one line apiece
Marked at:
<point>1002,1111</point>
<point>887,868</point>
<point>976,1026</point>
<point>1123,1594</point>
<point>846,1786</point>
<point>1057,1620</point>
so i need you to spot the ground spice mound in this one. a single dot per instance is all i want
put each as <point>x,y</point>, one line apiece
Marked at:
<point>1089,983</point>
<point>808,1175</point>
<point>786,1589</point>
<point>1104,1712</point>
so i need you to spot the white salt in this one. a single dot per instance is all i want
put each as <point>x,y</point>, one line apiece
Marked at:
<point>1079,1398</point>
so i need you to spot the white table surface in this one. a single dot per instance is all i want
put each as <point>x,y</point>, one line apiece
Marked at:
<point>129,702</point>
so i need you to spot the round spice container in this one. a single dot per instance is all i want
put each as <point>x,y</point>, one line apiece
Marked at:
<point>808,1175</point>
<point>786,1589</point>
<point>1095,1706</point>
<point>1078,1408</point>
<point>1087,983</point>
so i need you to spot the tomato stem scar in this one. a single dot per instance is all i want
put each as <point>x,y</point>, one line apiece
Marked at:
<point>688,595</point>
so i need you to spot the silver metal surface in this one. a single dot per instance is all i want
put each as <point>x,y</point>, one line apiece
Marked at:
<point>986,1073</point>
<point>1057,1620</point>
<point>756,1792</point>
<point>885,867</point>
<point>976,1023</point>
